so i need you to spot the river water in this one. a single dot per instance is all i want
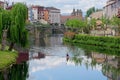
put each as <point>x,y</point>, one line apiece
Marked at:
<point>50,59</point>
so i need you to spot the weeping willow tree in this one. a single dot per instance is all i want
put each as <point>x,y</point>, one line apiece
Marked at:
<point>5,22</point>
<point>17,33</point>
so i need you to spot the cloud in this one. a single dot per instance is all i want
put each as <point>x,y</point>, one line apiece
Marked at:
<point>66,6</point>
<point>38,65</point>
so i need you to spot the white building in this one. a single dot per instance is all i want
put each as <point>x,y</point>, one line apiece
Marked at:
<point>112,8</point>
<point>38,12</point>
<point>30,14</point>
<point>54,15</point>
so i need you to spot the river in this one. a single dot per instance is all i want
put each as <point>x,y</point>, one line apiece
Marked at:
<point>50,59</point>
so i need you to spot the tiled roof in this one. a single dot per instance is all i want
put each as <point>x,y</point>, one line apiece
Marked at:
<point>97,15</point>
<point>52,8</point>
<point>110,3</point>
<point>37,6</point>
<point>65,18</point>
<point>1,2</point>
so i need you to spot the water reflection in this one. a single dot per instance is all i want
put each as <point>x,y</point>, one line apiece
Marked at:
<point>108,63</point>
<point>67,57</point>
<point>55,61</point>
<point>16,72</point>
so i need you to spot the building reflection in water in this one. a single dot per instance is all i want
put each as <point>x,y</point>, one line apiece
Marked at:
<point>19,71</point>
<point>110,64</point>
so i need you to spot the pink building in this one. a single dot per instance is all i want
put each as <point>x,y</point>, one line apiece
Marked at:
<point>1,4</point>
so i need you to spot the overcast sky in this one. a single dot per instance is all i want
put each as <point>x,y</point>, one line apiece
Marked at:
<point>66,6</point>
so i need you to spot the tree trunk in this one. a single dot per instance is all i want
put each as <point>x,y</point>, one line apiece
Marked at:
<point>11,46</point>
<point>5,75</point>
<point>104,33</point>
<point>4,37</point>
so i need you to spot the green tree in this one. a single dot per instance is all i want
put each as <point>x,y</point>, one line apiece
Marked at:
<point>116,22</point>
<point>78,25</point>
<point>93,23</point>
<point>82,25</point>
<point>17,32</point>
<point>90,11</point>
<point>105,22</point>
<point>73,24</point>
<point>5,22</point>
<point>86,27</point>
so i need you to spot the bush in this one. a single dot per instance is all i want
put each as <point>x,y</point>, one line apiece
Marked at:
<point>109,42</point>
<point>69,35</point>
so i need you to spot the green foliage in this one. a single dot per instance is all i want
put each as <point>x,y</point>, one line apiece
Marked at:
<point>109,42</point>
<point>92,23</point>
<point>7,58</point>
<point>104,50</point>
<point>16,72</point>
<point>79,25</point>
<point>14,21</point>
<point>90,11</point>
<point>116,22</point>
<point>105,21</point>
<point>5,21</point>
<point>17,32</point>
<point>73,23</point>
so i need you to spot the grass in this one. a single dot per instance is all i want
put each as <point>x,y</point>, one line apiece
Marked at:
<point>7,58</point>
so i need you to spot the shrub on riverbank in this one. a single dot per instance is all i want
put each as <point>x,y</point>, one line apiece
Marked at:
<point>109,42</point>
<point>7,58</point>
<point>69,35</point>
<point>104,50</point>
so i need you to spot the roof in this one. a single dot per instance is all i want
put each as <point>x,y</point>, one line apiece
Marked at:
<point>1,2</point>
<point>97,15</point>
<point>65,18</point>
<point>37,6</point>
<point>110,3</point>
<point>52,8</point>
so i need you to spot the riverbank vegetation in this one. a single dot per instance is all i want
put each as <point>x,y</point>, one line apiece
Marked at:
<point>96,32</point>
<point>12,27</point>
<point>12,32</point>
<point>109,42</point>
<point>99,49</point>
<point>7,58</point>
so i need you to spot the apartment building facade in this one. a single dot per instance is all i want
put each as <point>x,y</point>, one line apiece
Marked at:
<point>54,15</point>
<point>48,14</point>
<point>30,14</point>
<point>1,4</point>
<point>38,12</point>
<point>112,8</point>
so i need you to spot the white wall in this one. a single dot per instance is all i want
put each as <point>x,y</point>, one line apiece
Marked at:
<point>35,13</point>
<point>54,16</point>
<point>111,10</point>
